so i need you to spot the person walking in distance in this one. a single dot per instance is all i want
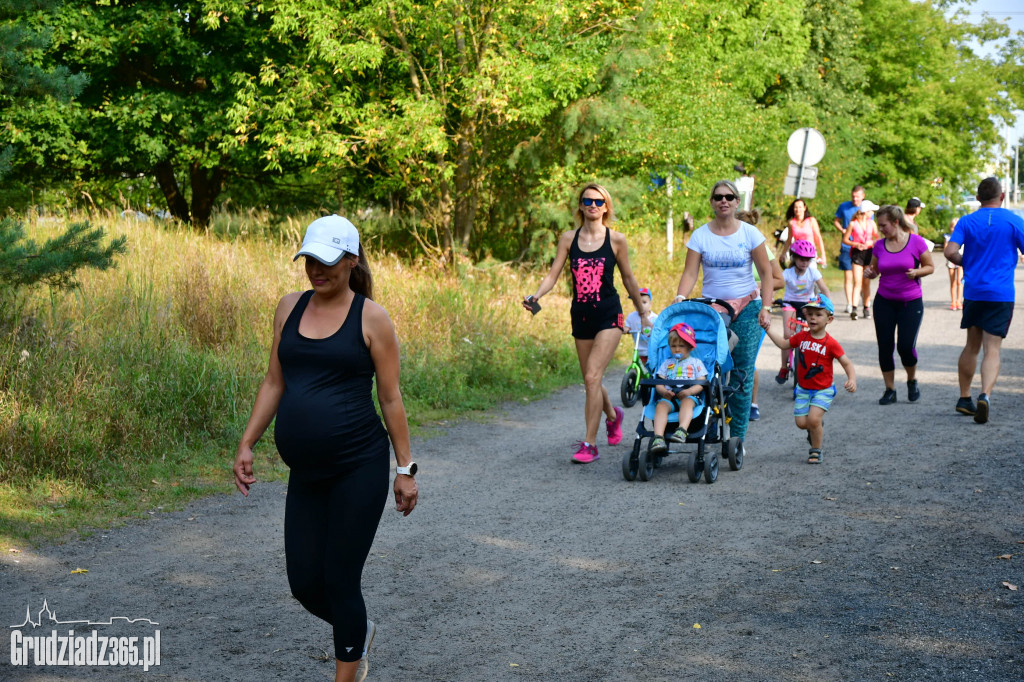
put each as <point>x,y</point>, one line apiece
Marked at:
<point>329,344</point>
<point>844,213</point>
<point>860,235</point>
<point>991,237</point>
<point>593,251</point>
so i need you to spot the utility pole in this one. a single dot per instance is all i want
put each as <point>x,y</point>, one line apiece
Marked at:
<point>1016,177</point>
<point>669,225</point>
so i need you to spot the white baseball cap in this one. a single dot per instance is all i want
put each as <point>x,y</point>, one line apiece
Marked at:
<point>328,239</point>
<point>867,205</point>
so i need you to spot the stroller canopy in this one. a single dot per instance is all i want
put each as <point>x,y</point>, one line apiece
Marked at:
<point>712,336</point>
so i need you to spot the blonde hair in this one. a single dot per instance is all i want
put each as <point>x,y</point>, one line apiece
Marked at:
<point>894,214</point>
<point>608,216</point>
<point>725,183</point>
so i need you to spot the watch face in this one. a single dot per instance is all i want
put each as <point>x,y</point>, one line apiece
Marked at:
<point>413,468</point>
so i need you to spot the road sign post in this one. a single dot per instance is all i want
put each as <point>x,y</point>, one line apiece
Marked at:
<point>806,147</point>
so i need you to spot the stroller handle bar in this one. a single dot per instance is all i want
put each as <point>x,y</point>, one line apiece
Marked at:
<point>716,301</point>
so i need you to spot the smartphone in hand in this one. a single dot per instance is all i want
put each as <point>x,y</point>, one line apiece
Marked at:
<point>533,305</point>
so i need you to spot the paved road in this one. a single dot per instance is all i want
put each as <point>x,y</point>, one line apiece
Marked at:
<point>881,563</point>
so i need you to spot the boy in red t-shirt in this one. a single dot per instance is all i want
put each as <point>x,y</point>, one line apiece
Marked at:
<point>815,350</point>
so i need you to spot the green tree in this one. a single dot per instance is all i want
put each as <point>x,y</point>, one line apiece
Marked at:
<point>21,76</point>
<point>935,104</point>
<point>162,79</point>
<point>23,262</point>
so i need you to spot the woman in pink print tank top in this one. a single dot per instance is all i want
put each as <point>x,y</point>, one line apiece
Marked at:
<point>593,251</point>
<point>860,236</point>
<point>802,225</point>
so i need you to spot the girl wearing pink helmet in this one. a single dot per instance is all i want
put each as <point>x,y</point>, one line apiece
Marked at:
<point>801,280</point>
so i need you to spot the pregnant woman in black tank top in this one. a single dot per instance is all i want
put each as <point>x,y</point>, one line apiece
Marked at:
<point>328,345</point>
<point>593,252</point>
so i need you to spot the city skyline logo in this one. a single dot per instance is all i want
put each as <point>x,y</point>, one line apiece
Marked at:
<point>80,649</point>
<point>113,620</point>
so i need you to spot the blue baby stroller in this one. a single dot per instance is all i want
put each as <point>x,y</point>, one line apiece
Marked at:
<point>709,425</point>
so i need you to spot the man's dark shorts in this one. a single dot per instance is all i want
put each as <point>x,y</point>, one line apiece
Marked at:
<point>844,258</point>
<point>991,316</point>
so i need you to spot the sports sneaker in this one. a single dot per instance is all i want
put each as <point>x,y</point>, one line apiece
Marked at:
<point>966,406</point>
<point>888,398</point>
<point>658,446</point>
<point>867,312</point>
<point>364,662</point>
<point>783,376</point>
<point>755,413</point>
<point>853,314</point>
<point>913,392</point>
<point>981,415</point>
<point>849,308</point>
<point>614,427</point>
<point>586,454</point>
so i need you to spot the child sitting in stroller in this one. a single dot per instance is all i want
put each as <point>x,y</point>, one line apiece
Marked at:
<point>685,401</point>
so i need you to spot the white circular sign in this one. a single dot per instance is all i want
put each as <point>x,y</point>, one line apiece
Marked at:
<point>815,146</point>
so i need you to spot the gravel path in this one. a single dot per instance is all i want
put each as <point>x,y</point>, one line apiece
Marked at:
<point>881,563</point>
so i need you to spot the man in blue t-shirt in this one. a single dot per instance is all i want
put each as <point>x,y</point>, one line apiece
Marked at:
<point>991,237</point>
<point>844,214</point>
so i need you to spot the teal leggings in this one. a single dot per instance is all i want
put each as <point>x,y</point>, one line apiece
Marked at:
<point>744,356</point>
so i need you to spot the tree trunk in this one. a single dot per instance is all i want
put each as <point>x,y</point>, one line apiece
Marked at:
<point>445,223</point>
<point>206,187</point>
<point>176,203</point>
<point>465,186</point>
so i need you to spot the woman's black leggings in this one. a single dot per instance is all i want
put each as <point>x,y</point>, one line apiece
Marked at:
<point>904,316</point>
<point>328,529</point>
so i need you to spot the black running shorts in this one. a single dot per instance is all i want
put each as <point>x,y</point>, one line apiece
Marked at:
<point>991,316</point>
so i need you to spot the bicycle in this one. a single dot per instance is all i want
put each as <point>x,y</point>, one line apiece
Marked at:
<point>630,389</point>
<point>796,323</point>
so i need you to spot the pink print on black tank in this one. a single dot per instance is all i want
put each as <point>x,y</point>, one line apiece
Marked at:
<point>587,273</point>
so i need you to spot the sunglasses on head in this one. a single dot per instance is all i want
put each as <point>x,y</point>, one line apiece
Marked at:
<point>587,201</point>
<point>727,197</point>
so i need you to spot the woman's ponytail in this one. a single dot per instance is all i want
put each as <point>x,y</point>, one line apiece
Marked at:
<point>361,280</point>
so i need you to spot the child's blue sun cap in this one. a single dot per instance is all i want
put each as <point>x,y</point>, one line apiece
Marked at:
<point>644,291</point>
<point>821,301</point>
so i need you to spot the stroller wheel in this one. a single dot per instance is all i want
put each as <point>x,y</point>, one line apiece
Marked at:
<point>646,464</point>
<point>732,449</point>
<point>711,467</point>
<point>695,467</point>
<point>628,390</point>
<point>631,462</point>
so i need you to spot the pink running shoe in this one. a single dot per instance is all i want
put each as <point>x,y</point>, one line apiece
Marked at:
<point>586,454</point>
<point>615,427</point>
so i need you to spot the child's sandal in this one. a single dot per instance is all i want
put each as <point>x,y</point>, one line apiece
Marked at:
<point>814,457</point>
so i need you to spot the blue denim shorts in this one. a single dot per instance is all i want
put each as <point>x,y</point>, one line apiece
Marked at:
<point>845,262</point>
<point>806,398</point>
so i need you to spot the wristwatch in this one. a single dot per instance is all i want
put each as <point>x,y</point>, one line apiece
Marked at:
<point>409,470</point>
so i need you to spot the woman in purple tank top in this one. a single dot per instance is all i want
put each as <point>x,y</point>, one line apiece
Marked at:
<point>593,251</point>
<point>902,259</point>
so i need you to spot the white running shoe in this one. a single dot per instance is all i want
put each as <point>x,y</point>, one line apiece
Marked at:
<point>364,664</point>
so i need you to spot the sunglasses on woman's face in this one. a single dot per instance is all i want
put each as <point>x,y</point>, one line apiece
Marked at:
<point>587,201</point>
<point>727,197</point>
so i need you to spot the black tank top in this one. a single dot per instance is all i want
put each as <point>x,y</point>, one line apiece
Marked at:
<point>326,420</point>
<point>593,275</point>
